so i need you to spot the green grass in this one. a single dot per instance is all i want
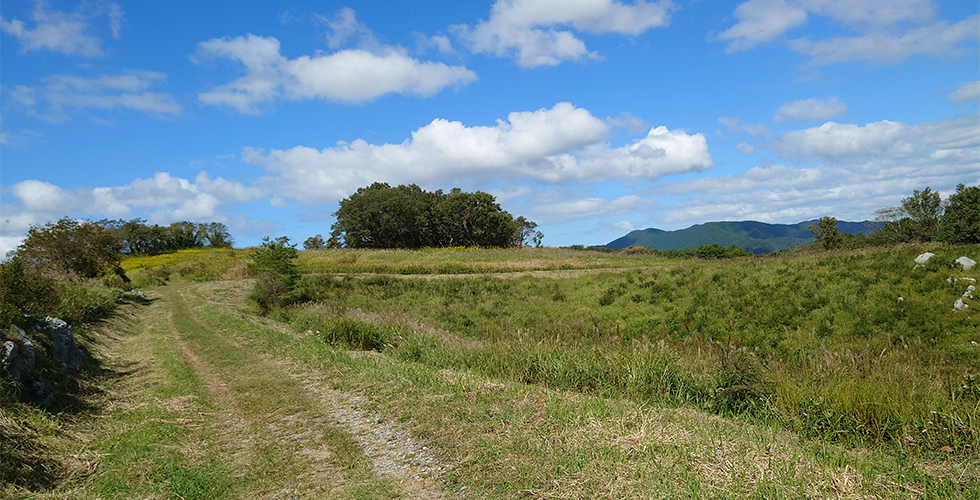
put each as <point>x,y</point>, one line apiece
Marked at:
<point>820,344</point>
<point>466,260</point>
<point>501,438</point>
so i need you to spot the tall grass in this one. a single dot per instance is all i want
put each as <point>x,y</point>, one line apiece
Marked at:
<point>851,347</point>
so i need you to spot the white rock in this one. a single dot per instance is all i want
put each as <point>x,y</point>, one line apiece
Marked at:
<point>971,280</point>
<point>922,259</point>
<point>959,305</point>
<point>966,262</point>
<point>968,294</point>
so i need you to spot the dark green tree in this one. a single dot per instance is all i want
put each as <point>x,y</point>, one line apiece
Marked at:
<point>924,209</point>
<point>826,232</point>
<point>73,248</point>
<point>472,219</point>
<point>215,235</point>
<point>184,235</point>
<point>960,222</point>
<point>314,242</point>
<point>381,216</point>
<point>277,274</point>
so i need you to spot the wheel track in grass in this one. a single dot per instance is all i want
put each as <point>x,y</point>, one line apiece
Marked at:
<point>272,407</point>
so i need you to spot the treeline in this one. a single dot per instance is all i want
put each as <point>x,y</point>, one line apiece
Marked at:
<point>61,266</point>
<point>381,216</point>
<point>922,217</point>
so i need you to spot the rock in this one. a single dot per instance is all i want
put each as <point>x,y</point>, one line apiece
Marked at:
<point>64,348</point>
<point>10,351</point>
<point>951,281</point>
<point>966,262</point>
<point>922,259</point>
<point>19,359</point>
<point>969,280</point>
<point>959,305</point>
<point>968,294</point>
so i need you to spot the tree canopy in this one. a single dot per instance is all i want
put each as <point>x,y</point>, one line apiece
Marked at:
<point>960,222</point>
<point>381,216</point>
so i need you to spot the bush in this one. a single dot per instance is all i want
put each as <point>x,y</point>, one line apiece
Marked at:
<point>277,275</point>
<point>23,290</point>
<point>357,334</point>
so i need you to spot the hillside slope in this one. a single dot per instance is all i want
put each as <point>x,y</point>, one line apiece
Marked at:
<point>757,237</point>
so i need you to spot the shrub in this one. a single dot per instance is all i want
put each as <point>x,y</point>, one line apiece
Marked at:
<point>357,334</point>
<point>277,275</point>
<point>23,290</point>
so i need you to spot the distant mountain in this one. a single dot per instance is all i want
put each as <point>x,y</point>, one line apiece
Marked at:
<point>757,237</point>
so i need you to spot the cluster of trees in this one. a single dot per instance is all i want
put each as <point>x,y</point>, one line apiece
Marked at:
<point>922,217</point>
<point>135,237</point>
<point>87,249</point>
<point>381,216</point>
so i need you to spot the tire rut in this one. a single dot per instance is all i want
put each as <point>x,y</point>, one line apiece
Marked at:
<point>393,453</point>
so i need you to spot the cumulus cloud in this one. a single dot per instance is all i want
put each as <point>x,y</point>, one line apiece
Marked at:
<point>745,148</point>
<point>887,32</point>
<point>540,32</point>
<point>164,197</point>
<point>349,76</point>
<point>883,139</point>
<point>967,92</point>
<point>862,168</point>
<point>554,145</point>
<point>58,94</point>
<point>67,33</point>
<point>811,109</point>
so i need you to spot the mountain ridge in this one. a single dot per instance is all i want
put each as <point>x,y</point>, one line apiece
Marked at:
<point>757,237</point>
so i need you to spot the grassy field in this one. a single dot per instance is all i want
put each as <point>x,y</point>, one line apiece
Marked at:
<point>849,347</point>
<point>539,373</point>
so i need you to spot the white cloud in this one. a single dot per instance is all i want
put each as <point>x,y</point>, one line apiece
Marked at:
<point>623,225</point>
<point>554,145</point>
<point>530,30</point>
<point>811,109</point>
<point>62,32</point>
<point>351,76</point>
<point>761,21</point>
<point>863,168</point>
<point>884,139</point>
<point>887,32</point>
<point>439,42</point>
<point>745,148</point>
<point>583,208</point>
<point>629,121</point>
<point>736,125</point>
<point>62,93</point>
<point>871,12</point>
<point>164,197</point>
<point>967,92</point>
<point>935,39</point>
<point>344,26</point>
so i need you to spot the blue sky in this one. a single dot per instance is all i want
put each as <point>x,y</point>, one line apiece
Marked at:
<point>591,117</point>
